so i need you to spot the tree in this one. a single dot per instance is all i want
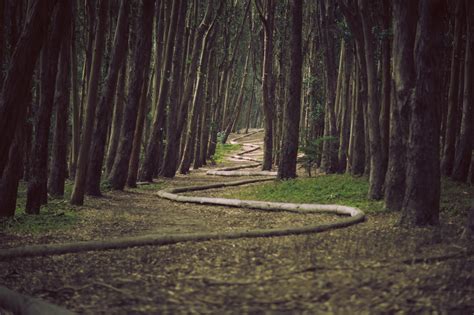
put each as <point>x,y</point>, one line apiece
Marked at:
<point>13,102</point>
<point>141,60</point>
<point>289,148</point>
<point>37,193</point>
<point>77,196</point>
<point>404,30</point>
<point>421,203</point>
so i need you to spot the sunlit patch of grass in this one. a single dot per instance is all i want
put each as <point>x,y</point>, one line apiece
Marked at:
<point>223,149</point>
<point>152,186</point>
<point>328,189</point>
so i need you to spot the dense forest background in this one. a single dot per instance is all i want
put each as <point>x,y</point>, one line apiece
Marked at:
<point>107,93</point>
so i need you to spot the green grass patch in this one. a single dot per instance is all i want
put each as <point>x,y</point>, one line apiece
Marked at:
<point>58,214</point>
<point>345,190</point>
<point>152,186</point>
<point>223,149</point>
<point>328,189</point>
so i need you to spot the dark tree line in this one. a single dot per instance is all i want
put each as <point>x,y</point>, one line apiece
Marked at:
<point>113,92</point>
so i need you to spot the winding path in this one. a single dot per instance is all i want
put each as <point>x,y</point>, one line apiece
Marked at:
<point>353,216</point>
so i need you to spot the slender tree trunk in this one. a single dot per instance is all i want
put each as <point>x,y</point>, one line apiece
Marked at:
<point>58,169</point>
<point>377,169</point>
<point>465,140</point>
<point>153,157</point>
<point>421,204</point>
<point>119,173</point>
<point>289,148</point>
<point>170,162</point>
<point>76,129</point>
<point>13,101</point>
<point>345,102</point>
<point>77,196</point>
<point>452,119</point>
<point>104,108</point>
<point>404,26</point>
<point>117,117</point>
<point>37,193</point>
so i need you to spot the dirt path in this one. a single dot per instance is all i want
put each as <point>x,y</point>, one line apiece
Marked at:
<point>360,269</point>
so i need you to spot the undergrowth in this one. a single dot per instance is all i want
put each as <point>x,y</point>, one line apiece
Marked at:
<point>223,149</point>
<point>344,190</point>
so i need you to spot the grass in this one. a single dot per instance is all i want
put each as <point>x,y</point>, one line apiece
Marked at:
<point>58,214</point>
<point>152,186</point>
<point>223,149</point>
<point>345,190</point>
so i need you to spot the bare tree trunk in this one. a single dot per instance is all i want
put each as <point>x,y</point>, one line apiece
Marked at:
<point>453,102</point>
<point>345,103</point>
<point>289,148</point>
<point>13,101</point>
<point>465,140</point>
<point>104,108</point>
<point>421,204</point>
<point>37,193</point>
<point>76,129</point>
<point>141,62</point>
<point>404,26</point>
<point>58,169</point>
<point>153,157</point>
<point>77,196</point>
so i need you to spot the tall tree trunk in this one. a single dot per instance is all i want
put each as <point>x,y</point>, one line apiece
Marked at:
<point>13,101</point>
<point>404,25</point>
<point>421,204</point>
<point>153,155</point>
<point>141,62</point>
<point>77,196</point>
<point>289,148</point>
<point>58,169</point>
<point>345,102</point>
<point>117,118</point>
<point>37,193</point>
<point>268,85</point>
<point>170,161</point>
<point>465,140</point>
<point>76,129</point>
<point>377,168</point>
<point>453,102</point>
<point>104,108</point>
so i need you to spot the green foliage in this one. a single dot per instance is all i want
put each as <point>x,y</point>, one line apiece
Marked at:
<point>328,189</point>
<point>456,197</point>
<point>222,150</point>
<point>312,152</point>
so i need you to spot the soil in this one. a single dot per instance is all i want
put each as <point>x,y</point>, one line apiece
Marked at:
<point>373,267</point>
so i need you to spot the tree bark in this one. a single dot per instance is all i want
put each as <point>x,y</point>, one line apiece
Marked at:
<point>13,101</point>
<point>289,147</point>
<point>119,173</point>
<point>405,17</point>
<point>104,108</point>
<point>453,102</point>
<point>421,203</point>
<point>58,169</point>
<point>37,193</point>
<point>153,157</point>
<point>465,140</point>
<point>77,196</point>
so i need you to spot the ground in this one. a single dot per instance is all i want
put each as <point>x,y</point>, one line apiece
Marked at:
<point>373,267</point>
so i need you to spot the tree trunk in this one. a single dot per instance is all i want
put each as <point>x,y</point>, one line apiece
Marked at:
<point>104,109</point>
<point>404,26</point>
<point>453,102</point>
<point>76,129</point>
<point>37,193</point>
<point>170,161</point>
<point>13,101</point>
<point>289,148</point>
<point>117,118</point>
<point>345,103</point>
<point>465,140</point>
<point>421,204</point>
<point>58,169</point>
<point>77,196</point>
<point>153,158</point>
<point>141,62</point>
<point>377,168</point>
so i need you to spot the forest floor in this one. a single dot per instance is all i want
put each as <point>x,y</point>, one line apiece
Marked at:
<point>372,267</point>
